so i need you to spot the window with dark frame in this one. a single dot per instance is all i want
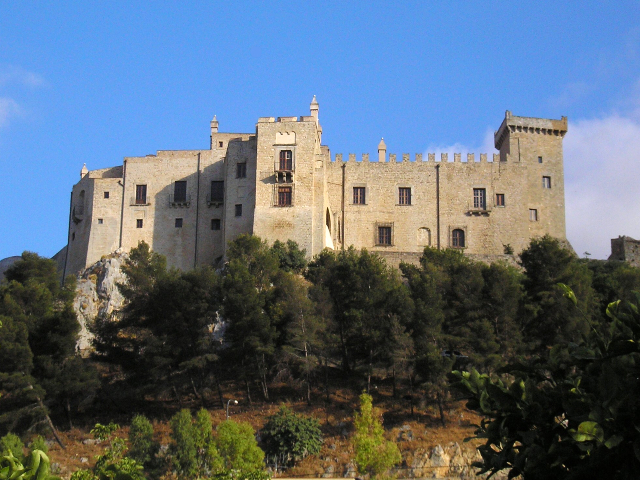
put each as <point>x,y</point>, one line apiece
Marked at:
<point>284,196</point>
<point>384,235</point>
<point>215,224</point>
<point>141,195</point>
<point>238,210</point>
<point>359,195</point>
<point>539,159</point>
<point>533,214</point>
<point>180,191</point>
<point>100,221</point>
<point>500,199</point>
<point>106,194</point>
<point>220,144</point>
<point>546,182</point>
<point>178,223</point>
<point>457,238</point>
<point>480,198</point>
<point>217,191</point>
<point>138,223</point>
<point>286,160</point>
<point>241,170</point>
<point>404,197</point>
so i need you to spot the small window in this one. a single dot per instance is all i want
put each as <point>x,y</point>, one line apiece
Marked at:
<point>141,195</point>
<point>241,170</point>
<point>286,160</point>
<point>539,159</point>
<point>100,222</point>
<point>215,224</point>
<point>546,182</point>
<point>180,191</point>
<point>479,199</point>
<point>217,191</point>
<point>384,235</point>
<point>359,196</point>
<point>284,196</point>
<point>220,144</point>
<point>500,199</point>
<point>178,223</point>
<point>533,214</point>
<point>404,196</point>
<point>239,210</point>
<point>73,236</point>
<point>457,238</point>
<point>139,223</point>
<point>106,194</point>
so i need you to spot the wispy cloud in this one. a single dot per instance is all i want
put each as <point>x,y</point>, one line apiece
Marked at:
<point>485,147</point>
<point>14,75</point>
<point>602,173</point>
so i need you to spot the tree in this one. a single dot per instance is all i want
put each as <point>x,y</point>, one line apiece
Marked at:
<point>143,448</point>
<point>374,454</point>
<point>238,447</point>
<point>571,415</point>
<point>291,437</point>
<point>194,451</point>
<point>289,255</point>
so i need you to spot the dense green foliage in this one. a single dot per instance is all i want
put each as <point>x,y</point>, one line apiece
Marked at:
<point>143,448</point>
<point>291,437</point>
<point>36,468</point>
<point>374,454</point>
<point>571,415</point>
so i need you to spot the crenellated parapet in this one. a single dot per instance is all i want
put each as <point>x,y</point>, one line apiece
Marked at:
<point>418,158</point>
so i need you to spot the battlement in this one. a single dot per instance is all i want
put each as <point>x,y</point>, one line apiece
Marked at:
<point>418,158</point>
<point>539,126</point>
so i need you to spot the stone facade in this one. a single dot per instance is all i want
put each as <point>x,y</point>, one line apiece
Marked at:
<point>625,249</point>
<point>281,183</point>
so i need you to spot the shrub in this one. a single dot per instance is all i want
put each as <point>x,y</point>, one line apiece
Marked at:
<point>38,443</point>
<point>194,450</point>
<point>143,448</point>
<point>291,437</point>
<point>238,447</point>
<point>12,443</point>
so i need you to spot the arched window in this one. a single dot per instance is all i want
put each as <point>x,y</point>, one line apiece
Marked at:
<point>457,238</point>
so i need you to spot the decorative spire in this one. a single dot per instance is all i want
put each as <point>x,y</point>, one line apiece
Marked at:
<point>382,151</point>
<point>214,124</point>
<point>84,171</point>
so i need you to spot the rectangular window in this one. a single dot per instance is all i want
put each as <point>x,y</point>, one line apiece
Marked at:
<point>178,223</point>
<point>479,199</point>
<point>217,191</point>
<point>286,160</point>
<point>546,182</point>
<point>141,195</point>
<point>139,223</point>
<point>106,194</point>
<point>215,224</point>
<point>533,214</point>
<point>384,235</point>
<point>284,196</point>
<point>500,199</point>
<point>239,210</point>
<point>241,170</point>
<point>100,221</point>
<point>220,144</point>
<point>180,191</point>
<point>404,196</point>
<point>359,196</point>
<point>539,159</point>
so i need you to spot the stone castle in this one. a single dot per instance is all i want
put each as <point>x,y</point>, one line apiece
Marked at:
<point>280,182</point>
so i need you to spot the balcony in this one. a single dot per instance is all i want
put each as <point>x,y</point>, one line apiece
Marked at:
<point>179,200</point>
<point>474,209</point>
<point>214,201</point>
<point>284,176</point>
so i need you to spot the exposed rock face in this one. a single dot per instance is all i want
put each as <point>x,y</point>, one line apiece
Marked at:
<point>97,295</point>
<point>449,461</point>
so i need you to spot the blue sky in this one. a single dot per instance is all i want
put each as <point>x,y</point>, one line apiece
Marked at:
<point>92,82</point>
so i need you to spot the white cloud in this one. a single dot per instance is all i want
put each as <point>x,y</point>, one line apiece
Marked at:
<point>602,180</point>
<point>11,74</point>
<point>486,147</point>
<point>8,108</point>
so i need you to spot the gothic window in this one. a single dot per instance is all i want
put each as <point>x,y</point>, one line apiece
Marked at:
<point>286,160</point>
<point>180,191</point>
<point>479,198</point>
<point>359,195</point>
<point>546,182</point>
<point>241,170</point>
<point>457,238</point>
<point>404,196</point>
<point>500,199</point>
<point>141,195</point>
<point>217,191</point>
<point>284,196</point>
<point>384,235</point>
